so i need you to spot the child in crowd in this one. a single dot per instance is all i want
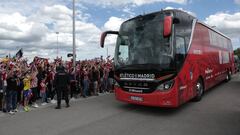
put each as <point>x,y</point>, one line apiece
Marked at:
<point>43,87</point>
<point>26,92</point>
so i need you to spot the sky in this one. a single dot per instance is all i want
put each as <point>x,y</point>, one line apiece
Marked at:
<point>32,24</point>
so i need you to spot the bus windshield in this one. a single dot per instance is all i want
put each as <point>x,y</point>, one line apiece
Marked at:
<point>141,42</point>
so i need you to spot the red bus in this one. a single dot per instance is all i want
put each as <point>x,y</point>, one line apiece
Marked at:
<point>167,58</point>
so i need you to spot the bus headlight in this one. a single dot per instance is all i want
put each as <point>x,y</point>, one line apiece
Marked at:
<point>166,86</point>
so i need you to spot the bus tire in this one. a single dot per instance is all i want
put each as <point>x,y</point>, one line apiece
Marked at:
<point>228,77</point>
<point>199,90</point>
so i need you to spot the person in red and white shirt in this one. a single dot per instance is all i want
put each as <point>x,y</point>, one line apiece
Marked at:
<point>34,85</point>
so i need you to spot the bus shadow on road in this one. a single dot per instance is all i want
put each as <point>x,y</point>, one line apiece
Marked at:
<point>154,111</point>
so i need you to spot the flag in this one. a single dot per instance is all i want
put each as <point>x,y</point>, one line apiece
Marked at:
<point>19,54</point>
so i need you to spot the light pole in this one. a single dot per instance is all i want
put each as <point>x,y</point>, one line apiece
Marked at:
<point>107,51</point>
<point>74,41</point>
<point>57,43</point>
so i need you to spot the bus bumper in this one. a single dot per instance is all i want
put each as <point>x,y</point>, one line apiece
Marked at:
<point>159,99</point>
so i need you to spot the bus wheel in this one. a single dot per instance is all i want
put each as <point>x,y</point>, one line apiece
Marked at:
<point>199,90</point>
<point>228,77</point>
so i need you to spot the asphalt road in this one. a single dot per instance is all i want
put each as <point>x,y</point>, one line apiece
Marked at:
<point>217,114</point>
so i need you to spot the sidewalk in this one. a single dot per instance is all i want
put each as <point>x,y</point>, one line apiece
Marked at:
<point>20,108</point>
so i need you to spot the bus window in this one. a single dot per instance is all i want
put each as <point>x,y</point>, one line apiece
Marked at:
<point>180,45</point>
<point>124,50</point>
<point>180,50</point>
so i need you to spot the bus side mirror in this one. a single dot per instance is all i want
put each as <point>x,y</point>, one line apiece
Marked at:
<point>102,41</point>
<point>103,36</point>
<point>167,26</point>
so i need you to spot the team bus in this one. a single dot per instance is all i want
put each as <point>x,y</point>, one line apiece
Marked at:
<point>167,58</point>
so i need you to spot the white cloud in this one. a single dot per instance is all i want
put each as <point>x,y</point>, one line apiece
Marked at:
<point>228,24</point>
<point>129,11</point>
<point>189,12</point>
<point>16,27</point>
<point>56,12</point>
<point>35,33</point>
<point>237,1</point>
<point>142,2</point>
<point>106,3</point>
<point>113,23</point>
<point>26,6</point>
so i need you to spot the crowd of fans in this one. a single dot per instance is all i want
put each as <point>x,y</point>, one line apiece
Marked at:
<point>24,84</point>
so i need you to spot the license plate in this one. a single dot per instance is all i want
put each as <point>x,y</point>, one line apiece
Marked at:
<point>135,98</point>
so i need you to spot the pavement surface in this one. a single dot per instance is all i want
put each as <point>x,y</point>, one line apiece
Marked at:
<point>218,113</point>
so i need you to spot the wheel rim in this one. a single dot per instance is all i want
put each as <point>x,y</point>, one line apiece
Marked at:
<point>199,89</point>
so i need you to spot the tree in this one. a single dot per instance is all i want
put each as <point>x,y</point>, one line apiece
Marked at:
<point>237,52</point>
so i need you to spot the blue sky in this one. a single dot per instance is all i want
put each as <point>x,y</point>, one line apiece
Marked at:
<point>32,24</point>
<point>202,8</point>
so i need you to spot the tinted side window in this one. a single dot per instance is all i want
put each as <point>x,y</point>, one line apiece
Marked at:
<point>183,31</point>
<point>180,50</point>
<point>184,28</point>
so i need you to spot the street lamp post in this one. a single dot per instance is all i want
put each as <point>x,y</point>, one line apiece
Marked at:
<point>74,41</point>
<point>57,43</point>
<point>107,51</point>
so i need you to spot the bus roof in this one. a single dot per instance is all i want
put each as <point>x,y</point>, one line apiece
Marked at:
<point>177,10</point>
<point>162,11</point>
